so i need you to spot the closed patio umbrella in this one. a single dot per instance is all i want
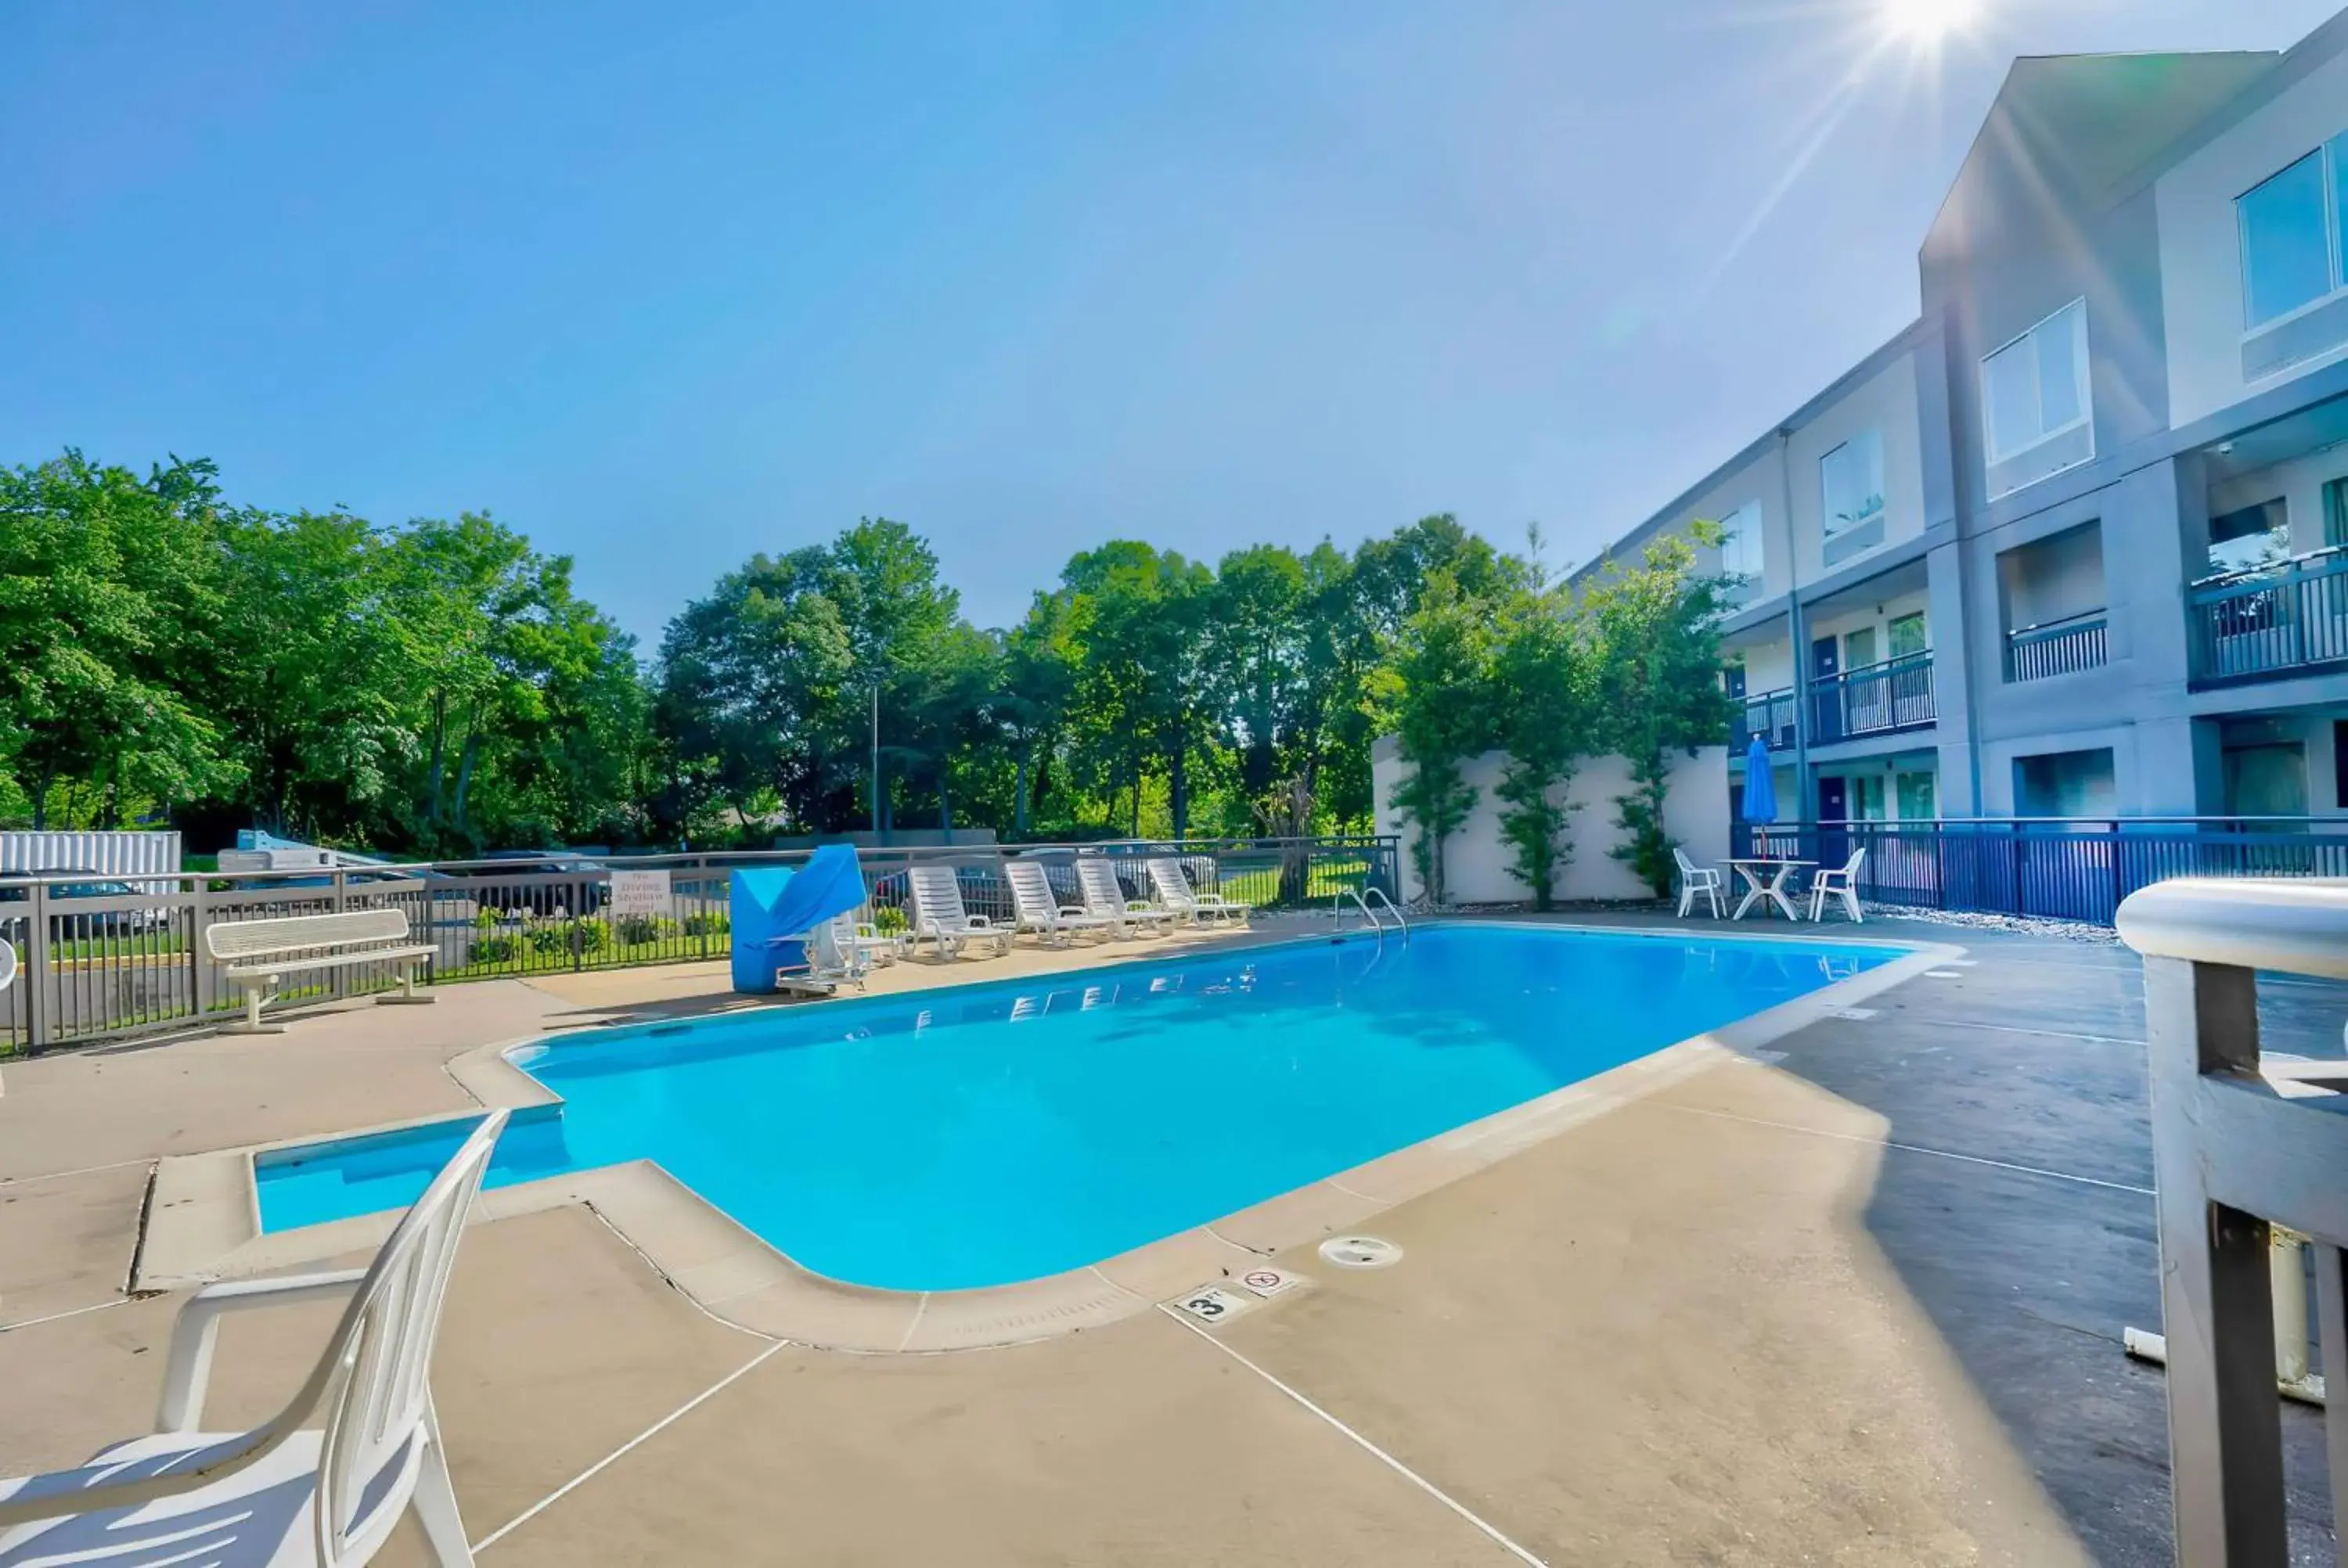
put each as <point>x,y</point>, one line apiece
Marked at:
<point>1760,805</point>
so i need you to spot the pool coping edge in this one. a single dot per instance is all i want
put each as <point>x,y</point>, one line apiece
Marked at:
<point>204,1223</point>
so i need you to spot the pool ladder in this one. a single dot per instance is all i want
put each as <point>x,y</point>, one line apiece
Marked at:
<point>1337,904</point>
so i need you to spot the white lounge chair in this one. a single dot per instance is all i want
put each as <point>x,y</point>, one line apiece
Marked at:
<point>939,915</point>
<point>1193,909</point>
<point>283,1493</point>
<point>1696,882</point>
<point>1840,883</point>
<point>7,964</point>
<point>1105,896</point>
<point>1040,912</point>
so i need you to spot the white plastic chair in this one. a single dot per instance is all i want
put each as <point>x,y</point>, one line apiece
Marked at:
<point>283,1493</point>
<point>1695,881</point>
<point>939,915</point>
<point>1841,883</point>
<point>1040,912</point>
<point>1193,909</point>
<point>1105,896</point>
<point>7,963</point>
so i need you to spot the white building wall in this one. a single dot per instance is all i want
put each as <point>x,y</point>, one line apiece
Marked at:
<point>1476,860</point>
<point>2200,244</point>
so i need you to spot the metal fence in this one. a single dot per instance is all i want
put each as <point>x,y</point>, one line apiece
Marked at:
<point>1873,699</point>
<point>2058,868</point>
<point>105,966</point>
<point>2289,617</point>
<point>2062,647</point>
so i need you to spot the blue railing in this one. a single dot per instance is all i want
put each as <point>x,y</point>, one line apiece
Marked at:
<point>1873,699</point>
<point>1769,714</point>
<point>2062,647</point>
<point>2060,868</point>
<point>2279,620</point>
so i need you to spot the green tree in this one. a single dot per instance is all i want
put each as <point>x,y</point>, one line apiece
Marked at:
<point>1656,626</point>
<point>107,584</point>
<point>1442,716</point>
<point>1544,683</point>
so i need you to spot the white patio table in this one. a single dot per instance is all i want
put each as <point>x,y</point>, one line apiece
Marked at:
<point>1772,888</point>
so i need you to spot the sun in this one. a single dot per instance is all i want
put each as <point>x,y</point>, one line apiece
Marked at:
<point>1928,21</point>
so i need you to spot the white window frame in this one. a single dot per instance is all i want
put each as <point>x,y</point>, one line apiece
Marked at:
<point>1745,524</point>
<point>2087,388</point>
<point>2336,226</point>
<point>1826,528</point>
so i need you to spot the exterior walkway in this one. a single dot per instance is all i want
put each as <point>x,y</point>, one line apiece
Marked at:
<point>1859,1304</point>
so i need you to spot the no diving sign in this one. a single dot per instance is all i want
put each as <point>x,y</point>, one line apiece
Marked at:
<point>1269,1282</point>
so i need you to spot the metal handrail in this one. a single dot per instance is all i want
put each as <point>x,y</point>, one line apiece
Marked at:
<point>1337,908</point>
<point>2047,631</point>
<point>2325,562</point>
<point>1362,898</point>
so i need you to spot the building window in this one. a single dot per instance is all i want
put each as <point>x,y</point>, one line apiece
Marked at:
<point>1740,543</point>
<point>2249,538</point>
<point>2335,512</point>
<point>2036,388</point>
<point>2291,236</point>
<point>1851,481</point>
<point>1916,798</point>
<point>1906,635</point>
<point>2340,763</point>
<point>2066,784</point>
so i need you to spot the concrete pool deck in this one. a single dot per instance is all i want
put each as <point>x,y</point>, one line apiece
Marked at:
<point>1859,1304</point>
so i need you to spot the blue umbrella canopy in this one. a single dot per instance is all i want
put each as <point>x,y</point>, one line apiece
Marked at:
<point>1760,785</point>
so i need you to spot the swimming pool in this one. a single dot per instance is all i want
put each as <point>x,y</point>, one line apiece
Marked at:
<point>1000,1132</point>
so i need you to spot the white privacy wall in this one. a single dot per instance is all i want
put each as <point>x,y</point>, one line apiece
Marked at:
<point>1475,859</point>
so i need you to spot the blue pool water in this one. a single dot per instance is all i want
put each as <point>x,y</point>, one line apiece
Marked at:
<point>999,1131</point>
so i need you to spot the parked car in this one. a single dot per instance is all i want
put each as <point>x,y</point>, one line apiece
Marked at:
<point>17,887</point>
<point>541,899</point>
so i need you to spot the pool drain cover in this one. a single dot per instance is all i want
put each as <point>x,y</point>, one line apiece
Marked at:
<point>1360,1252</point>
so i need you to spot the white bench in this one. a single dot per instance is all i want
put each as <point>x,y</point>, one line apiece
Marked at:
<point>256,955</point>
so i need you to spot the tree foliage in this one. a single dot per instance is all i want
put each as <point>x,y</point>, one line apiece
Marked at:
<point>1658,687</point>
<point>440,687</point>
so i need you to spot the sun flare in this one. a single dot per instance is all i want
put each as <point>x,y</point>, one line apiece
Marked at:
<point>1928,21</point>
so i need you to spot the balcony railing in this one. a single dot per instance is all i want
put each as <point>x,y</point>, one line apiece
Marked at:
<point>1873,699</point>
<point>1769,714</point>
<point>2062,647</point>
<point>2251,626</point>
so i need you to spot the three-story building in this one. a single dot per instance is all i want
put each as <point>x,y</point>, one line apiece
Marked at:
<point>2076,543</point>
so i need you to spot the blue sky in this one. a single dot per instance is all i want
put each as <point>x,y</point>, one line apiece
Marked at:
<point>661,293</point>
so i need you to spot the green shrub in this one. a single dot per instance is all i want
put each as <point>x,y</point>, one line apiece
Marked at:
<point>559,936</point>
<point>498,947</point>
<point>634,931</point>
<point>888,920</point>
<point>710,923</point>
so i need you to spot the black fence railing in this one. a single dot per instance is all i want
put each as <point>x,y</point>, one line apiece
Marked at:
<point>1769,714</point>
<point>2280,621</point>
<point>2062,647</point>
<point>2057,868</point>
<point>1873,699</point>
<point>93,968</point>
